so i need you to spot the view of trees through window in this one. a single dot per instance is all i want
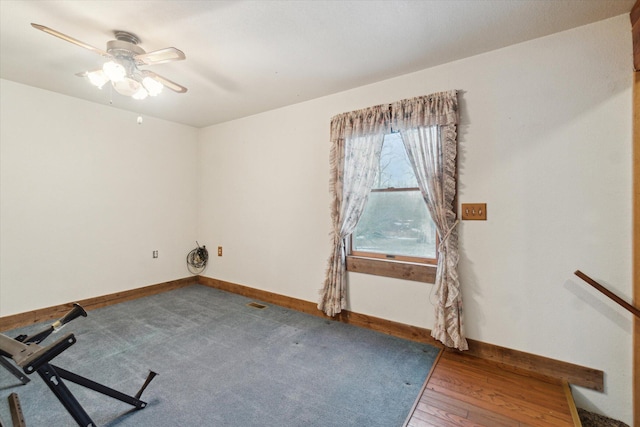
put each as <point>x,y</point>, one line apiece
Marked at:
<point>395,220</point>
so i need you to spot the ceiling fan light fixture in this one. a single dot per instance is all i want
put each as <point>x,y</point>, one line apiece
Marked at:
<point>140,94</point>
<point>97,78</point>
<point>114,71</point>
<point>127,86</point>
<point>152,86</point>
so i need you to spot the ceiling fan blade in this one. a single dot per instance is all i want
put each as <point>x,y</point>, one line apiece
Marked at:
<point>70,39</point>
<point>161,56</point>
<point>166,82</point>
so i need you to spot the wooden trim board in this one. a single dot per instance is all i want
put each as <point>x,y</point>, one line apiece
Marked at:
<point>634,16</point>
<point>422,390</point>
<point>572,404</point>
<point>49,313</point>
<point>539,366</point>
<point>508,358</point>
<point>400,270</point>
<point>636,235</point>
<point>516,360</point>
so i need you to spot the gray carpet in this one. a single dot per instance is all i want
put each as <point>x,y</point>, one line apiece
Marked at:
<point>222,363</point>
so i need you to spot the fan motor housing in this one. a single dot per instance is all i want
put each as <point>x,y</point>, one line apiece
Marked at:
<point>123,48</point>
<point>126,36</point>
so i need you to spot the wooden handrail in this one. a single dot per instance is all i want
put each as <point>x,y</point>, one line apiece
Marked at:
<point>634,310</point>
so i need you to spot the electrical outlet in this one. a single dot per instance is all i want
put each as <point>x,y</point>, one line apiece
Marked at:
<point>155,254</point>
<point>219,250</point>
<point>474,211</point>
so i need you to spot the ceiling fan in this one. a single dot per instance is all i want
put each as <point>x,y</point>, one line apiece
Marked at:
<point>124,56</point>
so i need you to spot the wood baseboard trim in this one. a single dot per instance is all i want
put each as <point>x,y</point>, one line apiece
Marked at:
<point>49,313</point>
<point>538,365</point>
<point>513,359</point>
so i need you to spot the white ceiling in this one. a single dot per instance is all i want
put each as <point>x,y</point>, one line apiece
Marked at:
<point>246,57</point>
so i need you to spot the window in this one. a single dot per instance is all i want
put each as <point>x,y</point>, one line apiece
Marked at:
<point>395,223</point>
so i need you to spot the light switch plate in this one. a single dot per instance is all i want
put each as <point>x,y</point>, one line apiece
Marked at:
<point>474,211</point>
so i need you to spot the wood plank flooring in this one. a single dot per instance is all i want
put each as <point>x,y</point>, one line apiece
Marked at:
<point>464,391</point>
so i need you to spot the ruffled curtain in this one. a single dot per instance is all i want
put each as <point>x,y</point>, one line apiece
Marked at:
<point>428,128</point>
<point>356,142</point>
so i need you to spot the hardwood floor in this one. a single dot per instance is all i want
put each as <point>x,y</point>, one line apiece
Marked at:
<point>467,391</point>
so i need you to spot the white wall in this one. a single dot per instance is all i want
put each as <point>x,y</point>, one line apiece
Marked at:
<point>86,195</point>
<point>545,141</point>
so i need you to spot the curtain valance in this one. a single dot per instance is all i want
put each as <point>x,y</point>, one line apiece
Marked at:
<point>436,109</point>
<point>368,121</point>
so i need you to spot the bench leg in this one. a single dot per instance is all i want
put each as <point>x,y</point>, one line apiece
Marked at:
<point>64,395</point>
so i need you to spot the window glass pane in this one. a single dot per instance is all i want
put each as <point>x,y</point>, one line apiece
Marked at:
<point>396,223</point>
<point>395,171</point>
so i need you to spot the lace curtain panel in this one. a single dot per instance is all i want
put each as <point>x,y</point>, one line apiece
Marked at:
<point>356,142</point>
<point>428,128</point>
